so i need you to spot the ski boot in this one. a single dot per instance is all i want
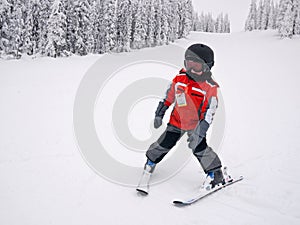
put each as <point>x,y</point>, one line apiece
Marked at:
<point>213,179</point>
<point>227,177</point>
<point>149,166</point>
<point>143,186</point>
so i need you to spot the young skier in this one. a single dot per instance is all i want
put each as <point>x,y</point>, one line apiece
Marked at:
<point>194,94</point>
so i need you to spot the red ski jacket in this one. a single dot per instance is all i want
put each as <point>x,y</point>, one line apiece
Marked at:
<point>194,101</point>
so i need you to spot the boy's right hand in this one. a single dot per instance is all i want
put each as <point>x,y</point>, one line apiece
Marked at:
<point>159,114</point>
<point>157,122</point>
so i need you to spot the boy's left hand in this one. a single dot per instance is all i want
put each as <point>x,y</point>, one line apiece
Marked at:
<point>157,122</point>
<point>198,134</point>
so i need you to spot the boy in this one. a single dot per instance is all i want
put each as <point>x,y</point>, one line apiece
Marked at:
<point>194,94</point>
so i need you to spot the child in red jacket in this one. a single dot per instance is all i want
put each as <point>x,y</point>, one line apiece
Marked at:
<point>194,94</point>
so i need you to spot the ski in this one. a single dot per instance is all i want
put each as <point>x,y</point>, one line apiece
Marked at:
<point>204,193</point>
<point>143,186</point>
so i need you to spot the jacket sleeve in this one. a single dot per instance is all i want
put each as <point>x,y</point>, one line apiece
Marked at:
<point>208,111</point>
<point>167,101</point>
<point>210,106</point>
<point>170,94</point>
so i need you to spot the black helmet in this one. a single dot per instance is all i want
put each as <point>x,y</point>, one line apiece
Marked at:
<point>200,52</point>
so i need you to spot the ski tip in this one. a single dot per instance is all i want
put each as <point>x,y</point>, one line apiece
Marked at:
<point>177,202</point>
<point>180,203</point>
<point>142,192</point>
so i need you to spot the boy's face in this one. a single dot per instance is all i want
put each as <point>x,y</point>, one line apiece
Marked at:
<point>195,65</point>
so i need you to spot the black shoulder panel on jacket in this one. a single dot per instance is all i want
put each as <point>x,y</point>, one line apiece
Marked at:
<point>212,82</point>
<point>182,71</point>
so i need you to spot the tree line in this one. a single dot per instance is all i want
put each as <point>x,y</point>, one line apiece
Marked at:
<point>284,17</point>
<point>206,23</point>
<point>64,27</point>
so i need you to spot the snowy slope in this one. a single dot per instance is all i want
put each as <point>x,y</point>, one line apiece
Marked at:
<point>45,180</point>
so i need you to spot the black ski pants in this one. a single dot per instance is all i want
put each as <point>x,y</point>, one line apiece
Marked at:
<point>207,158</point>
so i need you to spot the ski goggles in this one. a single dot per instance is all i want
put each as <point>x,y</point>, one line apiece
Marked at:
<point>194,63</point>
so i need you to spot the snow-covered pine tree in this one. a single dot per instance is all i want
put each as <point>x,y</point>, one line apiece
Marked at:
<point>93,26</point>
<point>99,27</point>
<point>72,26</point>
<point>281,12</point>
<point>109,24</point>
<point>36,28</point>
<point>138,26</point>
<point>226,24</point>
<point>43,18</point>
<point>144,22</point>
<point>180,6</point>
<point>202,22</point>
<point>265,14</point>
<point>174,18</point>
<point>56,40</point>
<point>222,23</point>
<point>4,32</point>
<point>297,18</point>
<point>158,25</point>
<point>89,28</point>
<point>210,23</point>
<point>272,16</point>
<point>187,17</point>
<point>286,26</point>
<point>123,27</point>
<point>83,35</point>
<point>198,22</point>
<point>164,22</point>
<point>259,15</point>
<point>202,26</point>
<point>195,21</point>
<point>149,39</point>
<point>15,29</point>
<point>32,28</point>
<point>251,21</point>
<point>205,22</point>
<point>276,15</point>
<point>219,24</point>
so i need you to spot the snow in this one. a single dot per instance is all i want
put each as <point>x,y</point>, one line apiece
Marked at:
<point>45,180</point>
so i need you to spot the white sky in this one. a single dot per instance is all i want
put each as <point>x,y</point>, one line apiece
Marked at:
<point>237,10</point>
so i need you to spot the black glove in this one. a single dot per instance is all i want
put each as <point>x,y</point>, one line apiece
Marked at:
<point>159,114</point>
<point>157,122</point>
<point>198,134</point>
